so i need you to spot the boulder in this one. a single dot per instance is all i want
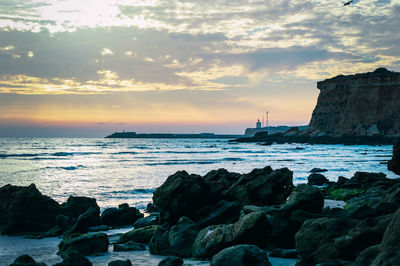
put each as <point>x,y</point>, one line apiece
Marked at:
<point>180,195</point>
<point>120,263</point>
<point>74,258</point>
<point>181,237</point>
<point>146,221</point>
<point>224,212</point>
<point>140,235</point>
<point>86,244</point>
<point>218,181</point>
<point>389,251</point>
<point>26,260</point>
<point>250,229</point>
<point>262,187</point>
<point>307,198</point>
<point>367,256</point>
<point>89,218</point>
<point>122,216</point>
<point>159,243</point>
<point>394,163</point>
<point>25,210</point>
<point>246,255</point>
<point>75,206</point>
<point>171,261</point>
<point>316,179</point>
<point>129,246</point>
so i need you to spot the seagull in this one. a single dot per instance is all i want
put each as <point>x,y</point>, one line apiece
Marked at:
<point>348,3</point>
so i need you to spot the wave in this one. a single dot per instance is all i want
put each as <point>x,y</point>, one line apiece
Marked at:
<point>69,168</point>
<point>234,159</point>
<point>179,162</point>
<point>124,152</point>
<point>185,152</point>
<point>21,155</point>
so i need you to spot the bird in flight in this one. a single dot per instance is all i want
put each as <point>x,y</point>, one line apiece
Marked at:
<point>348,3</point>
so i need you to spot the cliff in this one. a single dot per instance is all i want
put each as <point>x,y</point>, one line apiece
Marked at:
<point>365,104</point>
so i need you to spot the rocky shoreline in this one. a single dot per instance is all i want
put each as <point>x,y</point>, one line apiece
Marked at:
<point>226,218</point>
<point>280,138</point>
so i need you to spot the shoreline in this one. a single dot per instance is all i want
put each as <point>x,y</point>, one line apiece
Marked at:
<point>260,212</point>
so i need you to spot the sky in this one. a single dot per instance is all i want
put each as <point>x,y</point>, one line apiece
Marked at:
<point>89,68</point>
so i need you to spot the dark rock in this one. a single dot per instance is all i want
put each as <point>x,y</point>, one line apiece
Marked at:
<point>218,181</point>
<point>181,237</point>
<point>78,205</point>
<point>246,255</point>
<point>129,246</point>
<point>307,198</point>
<point>120,263</point>
<point>390,246</point>
<point>121,216</point>
<point>250,229</point>
<point>140,235</point>
<point>159,243</point>
<point>97,228</point>
<point>123,205</point>
<point>151,208</point>
<point>171,261</point>
<point>284,253</point>
<point>74,258</point>
<point>63,221</point>
<point>26,260</point>
<point>180,195</point>
<point>394,163</point>
<point>317,179</point>
<point>318,170</point>
<point>86,244</point>
<point>25,209</point>
<point>146,221</point>
<point>224,212</point>
<point>89,218</point>
<point>262,187</point>
<point>367,256</point>
<point>54,231</point>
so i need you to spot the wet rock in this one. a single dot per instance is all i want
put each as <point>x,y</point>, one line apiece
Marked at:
<point>394,163</point>
<point>390,246</point>
<point>54,231</point>
<point>97,228</point>
<point>75,206</point>
<point>181,237</point>
<point>307,198</point>
<point>246,255</point>
<point>74,258</point>
<point>64,221</point>
<point>89,218</point>
<point>250,229</point>
<point>224,212</point>
<point>262,187</point>
<point>129,246</point>
<point>180,195</point>
<point>146,221</point>
<point>86,244</point>
<point>140,235</point>
<point>120,263</point>
<point>159,243</point>
<point>218,181</point>
<point>367,256</point>
<point>317,179</point>
<point>26,260</point>
<point>171,261</point>
<point>121,216</point>
<point>25,210</point>
<point>284,253</point>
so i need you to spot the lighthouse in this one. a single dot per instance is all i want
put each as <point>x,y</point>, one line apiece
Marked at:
<point>258,124</point>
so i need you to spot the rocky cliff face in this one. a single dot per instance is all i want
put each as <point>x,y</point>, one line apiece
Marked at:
<point>359,105</point>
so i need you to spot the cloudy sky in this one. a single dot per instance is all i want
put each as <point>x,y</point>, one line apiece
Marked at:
<point>87,68</point>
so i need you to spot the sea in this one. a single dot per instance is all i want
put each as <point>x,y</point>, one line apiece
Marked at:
<point>116,171</point>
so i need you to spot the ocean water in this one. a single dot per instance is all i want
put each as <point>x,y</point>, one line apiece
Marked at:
<point>116,171</point>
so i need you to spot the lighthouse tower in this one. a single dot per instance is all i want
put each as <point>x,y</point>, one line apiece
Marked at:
<point>258,124</point>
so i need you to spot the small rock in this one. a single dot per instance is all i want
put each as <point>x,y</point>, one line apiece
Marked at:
<point>159,243</point>
<point>129,246</point>
<point>120,263</point>
<point>75,206</point>
<point>146,221</point>
<point>246,255</point>
<point>121,216</point>
<point>318,170</point>
<point>97,228</point>
<point>394,163</point>
<point>74,258</point>
<point>171,261</point>
<point>284,253</point>
<point>86,244</point>
<point>317,179</point>
<point>26,260</point>
<point>181,237</point>
<point>89,218</point>
<point>140,235</point>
